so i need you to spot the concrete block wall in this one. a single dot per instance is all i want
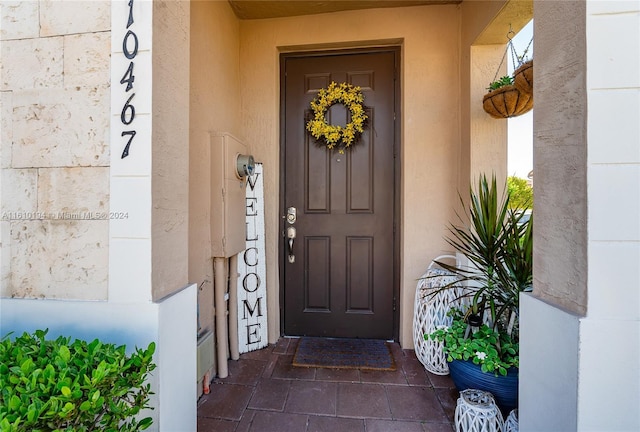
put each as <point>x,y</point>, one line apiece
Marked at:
<point>54,149</point>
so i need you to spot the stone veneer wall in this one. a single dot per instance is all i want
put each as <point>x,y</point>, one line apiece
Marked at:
<point>54,152</point>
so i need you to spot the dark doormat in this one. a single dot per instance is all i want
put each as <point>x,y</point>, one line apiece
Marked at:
<point>372,354</point>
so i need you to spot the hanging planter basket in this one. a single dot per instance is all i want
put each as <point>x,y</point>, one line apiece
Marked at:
<point>511,96</point>
<point>507,101</point>
<point>523,77</point>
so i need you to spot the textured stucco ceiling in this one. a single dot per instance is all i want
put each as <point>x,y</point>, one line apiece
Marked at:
<point>257,9</point>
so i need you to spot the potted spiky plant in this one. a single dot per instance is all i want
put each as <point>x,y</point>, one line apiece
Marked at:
<point>482,343</point>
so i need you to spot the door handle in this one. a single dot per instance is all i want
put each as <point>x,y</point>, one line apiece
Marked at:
<point>291,236</point>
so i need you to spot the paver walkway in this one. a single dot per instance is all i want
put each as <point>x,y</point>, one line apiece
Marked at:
<point>265,393</point>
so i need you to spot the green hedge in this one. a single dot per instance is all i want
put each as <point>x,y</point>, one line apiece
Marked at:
<point>56,385</point>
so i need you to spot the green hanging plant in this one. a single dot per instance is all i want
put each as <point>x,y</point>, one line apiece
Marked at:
<point>503,81</point>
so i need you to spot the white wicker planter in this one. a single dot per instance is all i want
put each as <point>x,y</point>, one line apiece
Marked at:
<point>430,313</point>
<point>511,423</point>
<point>476,411</point>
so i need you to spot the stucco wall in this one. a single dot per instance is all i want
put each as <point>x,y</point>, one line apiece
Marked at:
<point>170,155</point>
<point>214,107</point>
<point>478,65</point>
<point>560,154</point>
<point>54,152</point>
<point>483,34</point>
<point>429,37</point>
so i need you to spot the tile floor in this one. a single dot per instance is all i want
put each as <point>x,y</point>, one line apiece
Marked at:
<point>265,393</point>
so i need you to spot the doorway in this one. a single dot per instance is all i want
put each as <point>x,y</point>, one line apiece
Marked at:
<point>342,279</point>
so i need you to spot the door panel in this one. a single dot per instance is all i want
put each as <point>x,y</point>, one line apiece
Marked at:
<point>342,281</point>
<point>359,275</point>
<point>318,264</point>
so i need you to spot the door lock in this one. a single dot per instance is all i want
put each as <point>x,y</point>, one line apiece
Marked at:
<point>292,215</point>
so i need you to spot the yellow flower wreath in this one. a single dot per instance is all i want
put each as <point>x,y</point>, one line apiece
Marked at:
<point>342,137</point>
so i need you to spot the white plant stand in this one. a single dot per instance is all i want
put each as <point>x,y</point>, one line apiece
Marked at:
<point>476,411</point>
<point>430,313</point>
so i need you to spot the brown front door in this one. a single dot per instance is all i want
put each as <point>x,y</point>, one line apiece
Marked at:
<point>342,282</point>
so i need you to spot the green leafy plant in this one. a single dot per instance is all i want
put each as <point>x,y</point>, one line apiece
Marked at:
<point>494,351</point>
<point>498,242</point>
<point>57,385</point>
<point>501,82</point>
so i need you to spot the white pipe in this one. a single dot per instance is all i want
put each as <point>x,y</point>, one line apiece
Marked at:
<point>233,308</point>
<point>220,283</point>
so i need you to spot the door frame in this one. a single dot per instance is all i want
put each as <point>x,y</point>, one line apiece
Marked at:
<point>397,228</point>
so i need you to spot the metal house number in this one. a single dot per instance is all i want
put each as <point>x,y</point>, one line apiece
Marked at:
<point>129,50</point>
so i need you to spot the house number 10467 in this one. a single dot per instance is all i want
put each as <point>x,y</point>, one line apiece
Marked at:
<point>130,50</point>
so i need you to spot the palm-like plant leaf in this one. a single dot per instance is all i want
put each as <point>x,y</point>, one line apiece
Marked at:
<point>498,244</point>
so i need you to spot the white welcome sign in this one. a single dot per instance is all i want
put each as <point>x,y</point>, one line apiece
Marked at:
<point>252,290</point>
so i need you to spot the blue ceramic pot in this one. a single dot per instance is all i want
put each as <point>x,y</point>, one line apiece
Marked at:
<point>467,375</point>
